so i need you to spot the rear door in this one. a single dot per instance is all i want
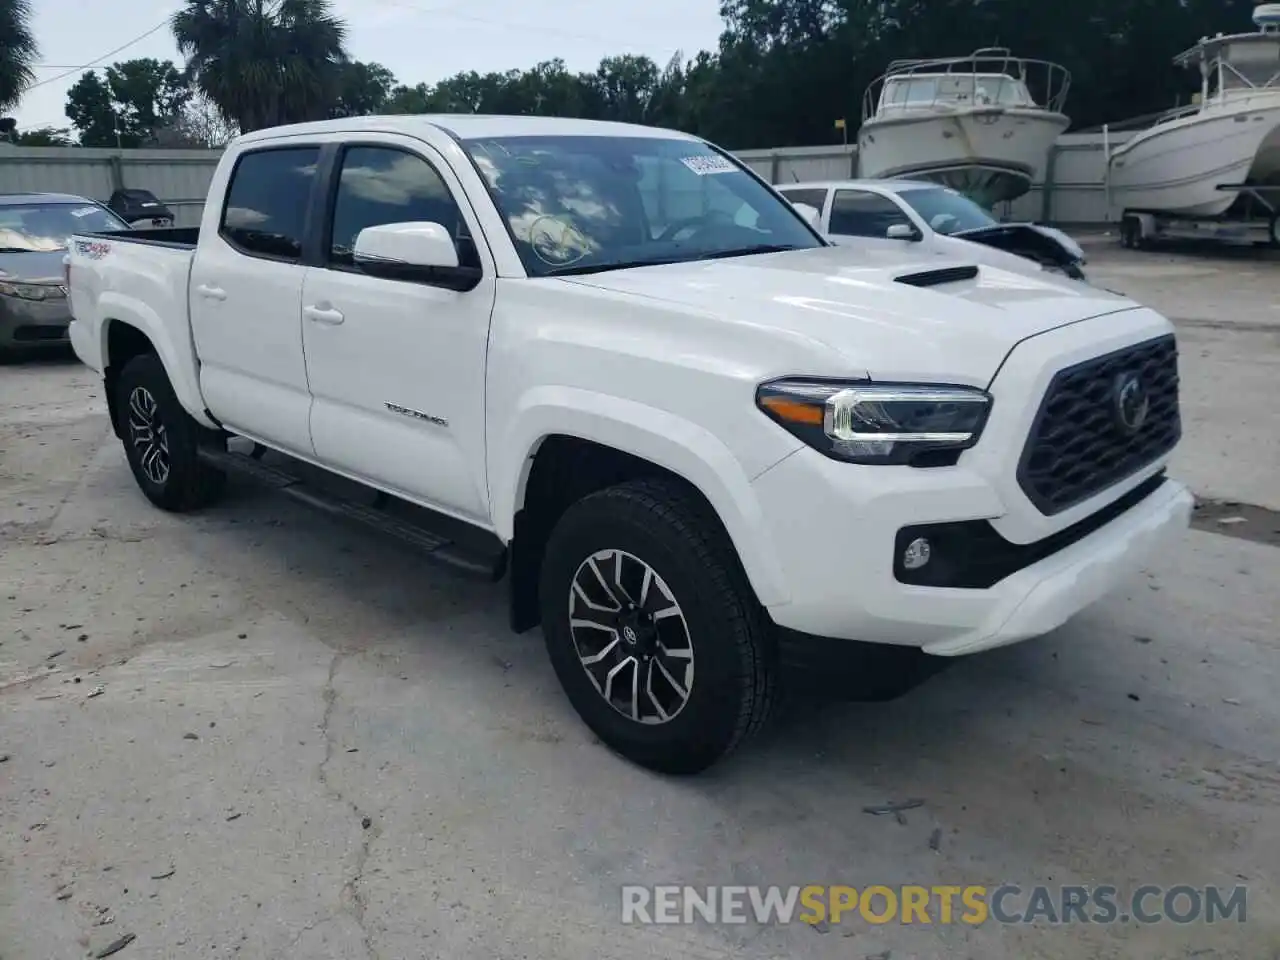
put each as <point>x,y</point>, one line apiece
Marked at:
<point>246,296</point>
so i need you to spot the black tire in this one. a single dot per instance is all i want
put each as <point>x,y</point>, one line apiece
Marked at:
<point>186,483</point>
<point>667,528</point>
<point>1273,229</point>
<point>1130,233</point>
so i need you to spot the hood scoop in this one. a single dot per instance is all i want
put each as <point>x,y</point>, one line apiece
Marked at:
<point>936,278</point>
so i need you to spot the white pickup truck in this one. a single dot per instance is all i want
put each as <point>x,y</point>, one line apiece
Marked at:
<point>710,452</point>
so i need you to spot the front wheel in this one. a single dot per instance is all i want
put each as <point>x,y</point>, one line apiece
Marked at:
<point>652,628</point>
<point>161,441</point>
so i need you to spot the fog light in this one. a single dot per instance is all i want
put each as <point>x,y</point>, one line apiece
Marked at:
<point>917,554</point>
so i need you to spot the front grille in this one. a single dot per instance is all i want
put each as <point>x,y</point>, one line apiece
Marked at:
<point>1080,443</point>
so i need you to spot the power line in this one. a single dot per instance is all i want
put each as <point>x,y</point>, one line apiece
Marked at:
<point>97,60</point>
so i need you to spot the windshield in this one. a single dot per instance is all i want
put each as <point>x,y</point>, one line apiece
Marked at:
<point>945,210</point>
<point>587,204</point>
<point>46,227</point>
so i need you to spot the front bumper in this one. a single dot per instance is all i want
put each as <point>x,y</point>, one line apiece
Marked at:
<point>834,534</point>
<point>30,324</point>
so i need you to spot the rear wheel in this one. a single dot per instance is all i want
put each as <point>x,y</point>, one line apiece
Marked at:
<point>161,439</point>
<point>652,628</point>
<point>1274,231</point>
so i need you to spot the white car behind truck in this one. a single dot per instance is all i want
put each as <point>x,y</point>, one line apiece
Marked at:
<point>709,452</point>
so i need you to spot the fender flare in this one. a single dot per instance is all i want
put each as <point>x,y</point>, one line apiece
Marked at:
<point>178,356</point>
<point>658,436</point>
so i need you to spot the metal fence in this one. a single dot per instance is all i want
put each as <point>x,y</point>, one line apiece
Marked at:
<point>1073,191</point>
<point>180,178</point>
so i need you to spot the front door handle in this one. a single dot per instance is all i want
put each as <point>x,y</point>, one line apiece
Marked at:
<point>211,293</point>
<point>323,315</point>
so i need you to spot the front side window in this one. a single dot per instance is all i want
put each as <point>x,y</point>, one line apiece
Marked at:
<point>267,201</point>
<point>380,185</point>
<point>46,227</point>
<point>945,210</point>
<point>588,204</point>
<point>857,213</point>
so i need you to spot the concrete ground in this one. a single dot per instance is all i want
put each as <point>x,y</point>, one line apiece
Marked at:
<point>254,733</point>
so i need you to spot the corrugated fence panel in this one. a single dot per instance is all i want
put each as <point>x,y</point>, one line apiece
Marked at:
<point>180,178</point>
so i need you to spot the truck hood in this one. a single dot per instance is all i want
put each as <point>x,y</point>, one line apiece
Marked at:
<point>1046,245</point>
<point>950,321</point>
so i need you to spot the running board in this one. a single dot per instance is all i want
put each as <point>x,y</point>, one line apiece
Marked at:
<point>478,563</point>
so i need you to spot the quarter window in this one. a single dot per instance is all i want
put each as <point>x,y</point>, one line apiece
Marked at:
<point>381,185</point>
<point>267,201</point>
<point>814,198</point>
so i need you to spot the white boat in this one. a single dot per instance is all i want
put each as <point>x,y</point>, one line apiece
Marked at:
<point>981,124</point>
<point>1198,160</point>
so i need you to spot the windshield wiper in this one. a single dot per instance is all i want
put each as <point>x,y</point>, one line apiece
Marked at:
<point>574,270</point>
<point>751,251</point>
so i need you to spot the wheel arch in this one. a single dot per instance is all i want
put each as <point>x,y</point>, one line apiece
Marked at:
<point>559,452</point>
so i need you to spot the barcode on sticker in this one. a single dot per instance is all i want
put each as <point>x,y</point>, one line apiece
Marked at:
<point>703,166</point>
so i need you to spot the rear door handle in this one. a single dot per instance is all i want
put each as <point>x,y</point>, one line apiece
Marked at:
<point>323,315</point>
<point>211,293</point>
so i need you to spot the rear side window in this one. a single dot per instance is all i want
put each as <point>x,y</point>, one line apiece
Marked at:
<point>267,201</point>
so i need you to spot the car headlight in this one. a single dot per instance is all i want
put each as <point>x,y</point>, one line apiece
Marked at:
<point>878,423</point>
<point>29,291</point>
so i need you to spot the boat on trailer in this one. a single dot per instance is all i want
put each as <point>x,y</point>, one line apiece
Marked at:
<point>982,124</point>
<point>1212,168</point>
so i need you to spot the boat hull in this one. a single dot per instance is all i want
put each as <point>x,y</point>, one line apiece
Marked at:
<point>990,154</point>
<point>1177,167</point>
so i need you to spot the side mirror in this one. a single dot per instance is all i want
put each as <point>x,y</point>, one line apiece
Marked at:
<point>902,231</point>
<point>811,214</point>
<point>420,252</point>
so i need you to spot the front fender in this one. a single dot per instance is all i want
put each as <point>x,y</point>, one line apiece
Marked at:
<point>172,343</point>
<point>658,436</point>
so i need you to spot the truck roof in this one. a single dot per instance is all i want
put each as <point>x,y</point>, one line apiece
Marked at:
<point>468,126</point>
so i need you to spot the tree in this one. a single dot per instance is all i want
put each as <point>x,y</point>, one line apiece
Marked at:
<point>199,125</point>
<point>18,51</point>
<point>44,137</point>
<point>89,107</point>
<point>363,88</point>
<point>263,62</point>
<point>137,98</point>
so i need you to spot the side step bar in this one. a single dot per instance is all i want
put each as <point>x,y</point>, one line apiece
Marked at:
<point>475,563</point>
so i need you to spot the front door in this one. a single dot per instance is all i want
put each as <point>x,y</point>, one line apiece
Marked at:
<point>397,368</point>
<point>246,297</point>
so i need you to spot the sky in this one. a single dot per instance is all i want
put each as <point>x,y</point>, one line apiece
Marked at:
<point>418,40</point>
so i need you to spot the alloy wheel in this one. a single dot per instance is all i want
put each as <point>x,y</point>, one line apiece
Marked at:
<point>631,637</point>
<point>148,435</point>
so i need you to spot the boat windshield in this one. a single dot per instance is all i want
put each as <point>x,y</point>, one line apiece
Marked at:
<point>945,210</point>
<point>967,89</point>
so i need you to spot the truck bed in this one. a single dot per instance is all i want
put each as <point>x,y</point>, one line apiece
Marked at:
<point>182,237</point>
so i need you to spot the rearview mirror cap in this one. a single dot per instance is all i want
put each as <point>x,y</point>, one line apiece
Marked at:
<point>902,231</point>
<point>420,251</point>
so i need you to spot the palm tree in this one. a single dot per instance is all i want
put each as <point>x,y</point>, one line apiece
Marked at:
<point>263,62</point>
<point>18,51</point>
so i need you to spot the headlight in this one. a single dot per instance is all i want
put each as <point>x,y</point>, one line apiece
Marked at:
<point>877,423</point>
<point>29,291</point>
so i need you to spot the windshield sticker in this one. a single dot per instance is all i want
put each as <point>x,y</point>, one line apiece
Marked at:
<point>704,166</point>
<point>557,242</point>
<point>84,211</point>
